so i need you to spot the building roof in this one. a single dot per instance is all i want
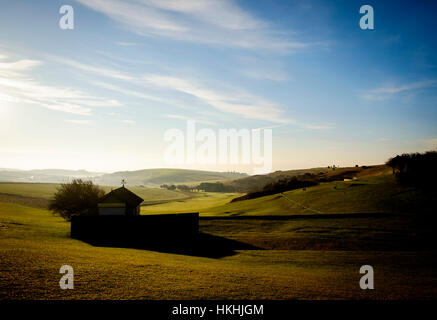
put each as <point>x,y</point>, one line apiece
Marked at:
<point>123,195</point>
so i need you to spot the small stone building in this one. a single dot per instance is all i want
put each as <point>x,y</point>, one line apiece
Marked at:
<point>120,202</point>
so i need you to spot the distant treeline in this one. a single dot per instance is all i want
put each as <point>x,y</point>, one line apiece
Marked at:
<point>283,184</point>
<point>287,183</point>
<point>204,186</point>
<point>415,169</point>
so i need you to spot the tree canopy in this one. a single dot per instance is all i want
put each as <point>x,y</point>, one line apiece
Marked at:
<point>418,169</point>
<point>77,197</point>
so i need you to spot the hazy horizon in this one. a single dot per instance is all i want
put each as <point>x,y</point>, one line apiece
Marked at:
<point>176,168</point>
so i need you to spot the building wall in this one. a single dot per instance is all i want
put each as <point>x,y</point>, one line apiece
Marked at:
<point>148,229</point>
<point>133,211</point>
<point>114,211</point>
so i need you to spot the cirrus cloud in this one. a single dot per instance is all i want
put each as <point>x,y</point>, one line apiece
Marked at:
<point>213,22</point>
<point>18,86</point>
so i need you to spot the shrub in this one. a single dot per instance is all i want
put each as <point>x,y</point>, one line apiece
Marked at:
<point>77,197</point>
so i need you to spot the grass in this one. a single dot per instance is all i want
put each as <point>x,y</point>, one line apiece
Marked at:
<point>365,195</point>
<point>35,190</point>
<point>46,191</point>
<point>257,182</point>
<point>199,202</point>
<point>292,258</point>
<point>156,177</point>
<point>375,194</point>
<point>34,245</point>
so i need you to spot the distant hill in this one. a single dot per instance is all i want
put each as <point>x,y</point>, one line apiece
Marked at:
<point>44,175</point>
<point>157,177</point>
<point>146,177</point>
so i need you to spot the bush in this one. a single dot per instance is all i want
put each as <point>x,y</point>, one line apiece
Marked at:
<point>76,198</point>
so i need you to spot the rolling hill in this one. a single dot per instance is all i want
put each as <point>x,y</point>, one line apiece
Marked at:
<point>156,177</point>
<point>371,194</point>
<point>146,177</point>
<point>257,182</point>
<point>44,175</point>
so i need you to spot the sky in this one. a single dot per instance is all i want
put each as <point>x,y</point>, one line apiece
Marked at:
<point>101,96</point>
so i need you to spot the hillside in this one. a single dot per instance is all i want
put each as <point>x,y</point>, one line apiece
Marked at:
<point>38,194</point>
<point>146,177</point>
<point>156,177</point>
<point>373,194</point>
<point>257,182</point>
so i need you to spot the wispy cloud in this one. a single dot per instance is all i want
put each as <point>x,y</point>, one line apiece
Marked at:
<point>247,106</point>
<point>100,70</point>
<point>17,66</point>
<point>7,98</point>
<point>129,92</point>
<point>185,118</point>
<point>244,105</point>
<point>391,91</point>
<point>215,22</point>
<point>18,86</point>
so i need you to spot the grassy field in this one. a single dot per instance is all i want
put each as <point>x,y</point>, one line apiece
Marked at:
<point>257,182</point>
<point>374,194</point>
<point>34,244</point>
<point>287,246</point>
<point>364,195</point>
<point>157,177</point>
<point>35,190</point>
<point>46,191</point>
<point>199,202</point>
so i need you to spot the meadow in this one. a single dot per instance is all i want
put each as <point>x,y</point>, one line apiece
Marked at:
<point>278,251</point>
<point>46,190</point>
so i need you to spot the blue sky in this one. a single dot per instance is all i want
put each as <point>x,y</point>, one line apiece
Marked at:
<point>101,96</point>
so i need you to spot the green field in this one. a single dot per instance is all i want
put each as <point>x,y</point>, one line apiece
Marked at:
<point>375,194</point>
<point>157,177</point>
<point>35,190</point>
<point>198,202</point>
<point>280,257</point>
<point>34,244</point>
<point>366,195</point>
<point>46,191</point>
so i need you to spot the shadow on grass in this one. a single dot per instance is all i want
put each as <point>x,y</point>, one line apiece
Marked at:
<point>203,245</point>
